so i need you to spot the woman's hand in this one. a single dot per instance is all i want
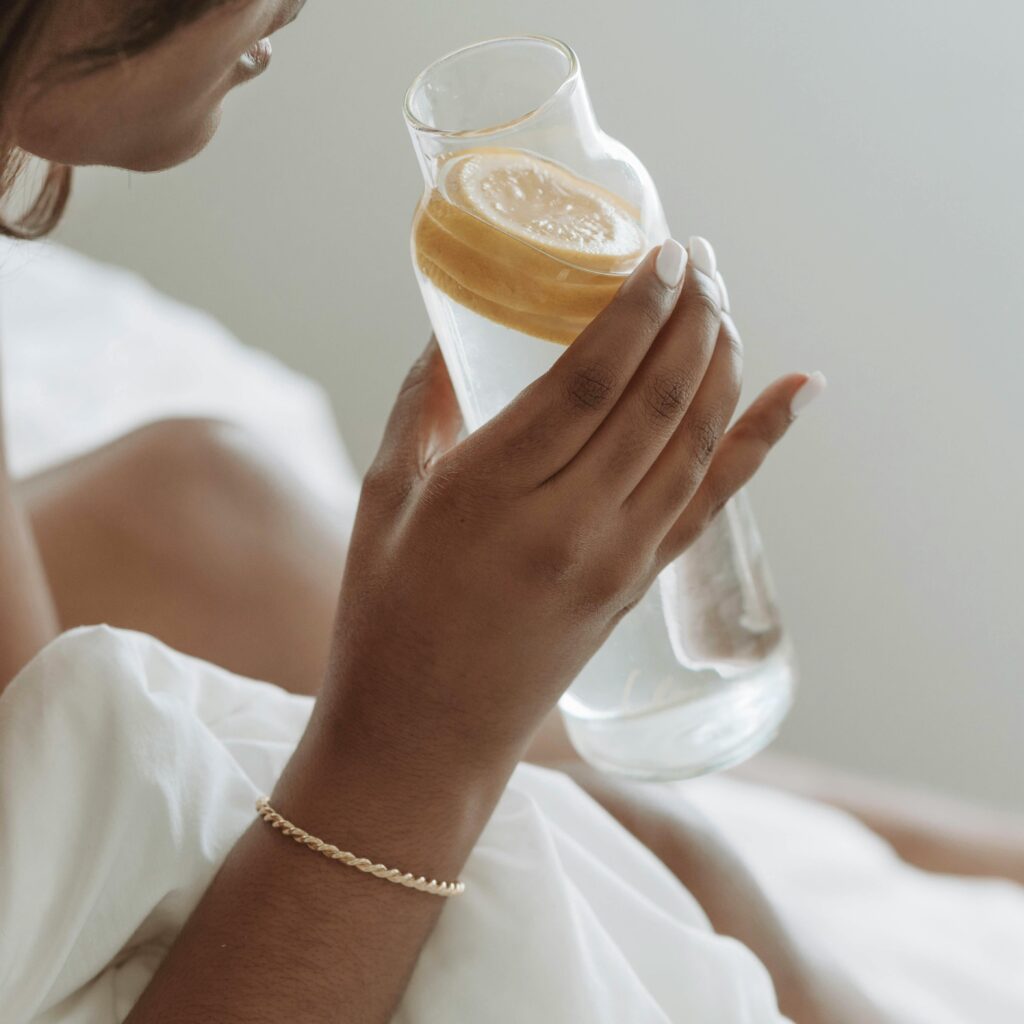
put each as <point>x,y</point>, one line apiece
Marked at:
<point>482,577</point>
<point>479,581</point>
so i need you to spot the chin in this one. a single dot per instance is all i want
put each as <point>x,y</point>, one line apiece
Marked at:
<point>82,145</point>
<point>163,154</point>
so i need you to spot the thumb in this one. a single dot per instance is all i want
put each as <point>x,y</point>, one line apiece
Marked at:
<point>425,420</point>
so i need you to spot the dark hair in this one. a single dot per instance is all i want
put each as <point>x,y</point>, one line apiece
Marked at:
<point>22,22</point>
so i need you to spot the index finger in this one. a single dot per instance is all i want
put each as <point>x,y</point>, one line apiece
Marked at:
<point>553,418</point>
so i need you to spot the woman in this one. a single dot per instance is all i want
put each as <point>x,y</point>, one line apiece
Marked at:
<point>429,702</point>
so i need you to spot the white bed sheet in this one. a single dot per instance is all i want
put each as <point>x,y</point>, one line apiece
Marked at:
<point>92,351</point>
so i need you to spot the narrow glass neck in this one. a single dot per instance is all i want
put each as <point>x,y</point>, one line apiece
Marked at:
<point>521,92</point>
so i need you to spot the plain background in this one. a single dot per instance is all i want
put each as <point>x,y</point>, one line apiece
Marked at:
<point>858,167</point>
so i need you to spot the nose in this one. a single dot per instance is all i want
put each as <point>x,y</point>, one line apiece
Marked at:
<point>294,11</point>
<point>289,12</point>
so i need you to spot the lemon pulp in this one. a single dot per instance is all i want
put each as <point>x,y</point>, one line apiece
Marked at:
<point>525,242</point>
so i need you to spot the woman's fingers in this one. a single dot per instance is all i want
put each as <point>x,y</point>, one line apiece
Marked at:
<point>633,435</point>
<point>425,420</point>
<point>740,455</point>
<point>672,481</point>
<point>547,425</point>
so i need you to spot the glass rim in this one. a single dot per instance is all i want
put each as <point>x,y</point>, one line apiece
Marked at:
<point>567,83</point>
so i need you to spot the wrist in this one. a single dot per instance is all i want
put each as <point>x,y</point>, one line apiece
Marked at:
<point>423,712</point>
<point>410,807</point>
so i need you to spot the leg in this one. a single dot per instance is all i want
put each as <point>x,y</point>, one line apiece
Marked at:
<point>932,832</point>
<point>808,990</point>
<point>187,530</point>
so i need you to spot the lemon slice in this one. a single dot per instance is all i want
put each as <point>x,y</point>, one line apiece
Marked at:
<point>547,206</point>
<point>505,271</point>
<point>525,242</point>
<point>561,329</point>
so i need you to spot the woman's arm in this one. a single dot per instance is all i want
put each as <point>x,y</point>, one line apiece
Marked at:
<point>284,934</point>
<point>28,617</point>
<point>480,580</point>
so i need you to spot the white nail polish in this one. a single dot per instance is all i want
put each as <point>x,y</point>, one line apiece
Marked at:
<point>703,256</point>
<point>671,263</point>
<point>814,387</point>
<point>723,290</point>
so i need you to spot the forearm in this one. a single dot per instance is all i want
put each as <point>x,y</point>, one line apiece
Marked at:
<point>286,934</point>
<point>28,617</point>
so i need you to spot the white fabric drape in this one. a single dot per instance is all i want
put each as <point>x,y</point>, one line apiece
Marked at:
<point>127,771</point>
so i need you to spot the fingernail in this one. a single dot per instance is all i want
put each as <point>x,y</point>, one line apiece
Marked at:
<point>723,290</point>
<point>703,256</point>
<point>814,387</point>
<point>671,263</point>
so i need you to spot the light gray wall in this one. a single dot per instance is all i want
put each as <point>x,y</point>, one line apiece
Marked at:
<point>859,168</point>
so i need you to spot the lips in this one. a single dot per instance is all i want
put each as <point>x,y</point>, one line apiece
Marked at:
<point>257,57</point>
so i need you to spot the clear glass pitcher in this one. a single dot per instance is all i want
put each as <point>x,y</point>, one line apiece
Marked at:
<point>518,181</point>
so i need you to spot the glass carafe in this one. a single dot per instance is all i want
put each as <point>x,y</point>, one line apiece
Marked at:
<point>700,674</point>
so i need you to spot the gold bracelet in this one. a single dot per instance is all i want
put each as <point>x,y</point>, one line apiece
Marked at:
<point>421,884</point>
